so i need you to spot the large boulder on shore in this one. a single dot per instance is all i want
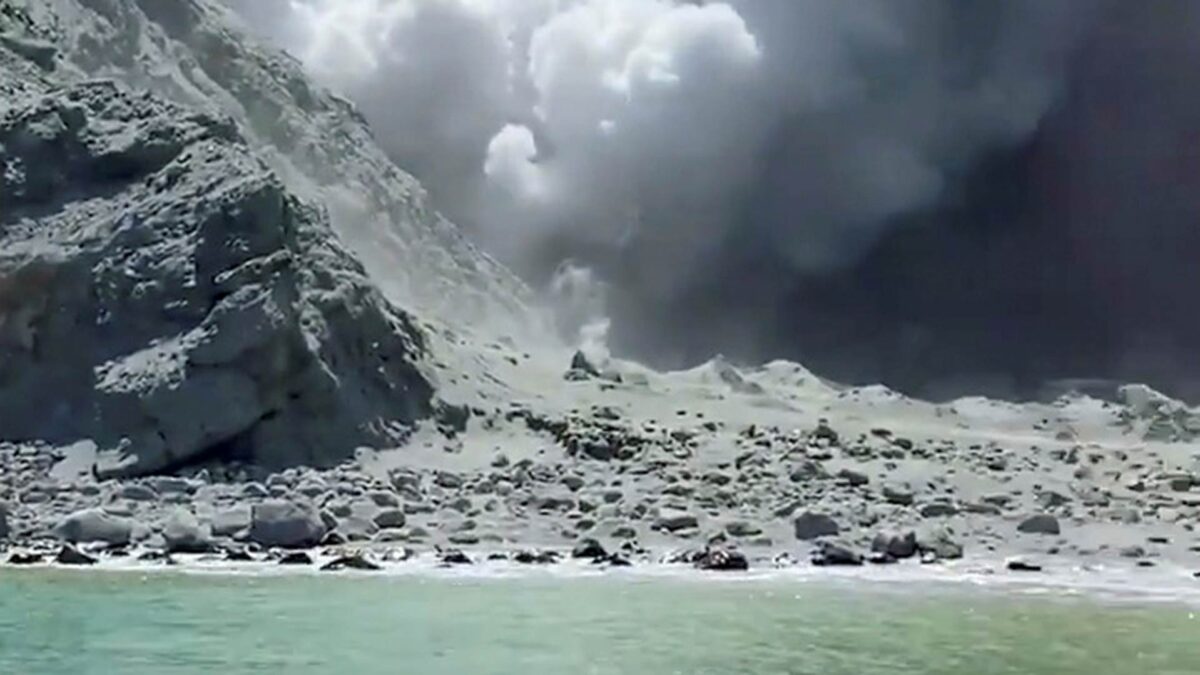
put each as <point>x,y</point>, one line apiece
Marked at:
<point>183,533</point>
<point>810,525</point>
<point>286,525</point>
<point>163,294</point>
<point>94,525</point>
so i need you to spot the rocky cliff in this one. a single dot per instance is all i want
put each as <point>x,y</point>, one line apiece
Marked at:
<point>173,285</point>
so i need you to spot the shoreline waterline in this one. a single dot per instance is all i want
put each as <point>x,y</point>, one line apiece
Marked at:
<point>1074,579</point>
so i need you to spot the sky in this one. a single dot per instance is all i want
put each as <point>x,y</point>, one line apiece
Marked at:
<point>948,197</point>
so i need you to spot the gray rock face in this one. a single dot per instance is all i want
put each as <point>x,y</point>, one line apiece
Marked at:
<point>163,294</point>
<point>286,525</point>
<point>94,525</point>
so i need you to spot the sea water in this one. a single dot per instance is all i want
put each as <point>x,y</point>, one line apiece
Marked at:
<point>131,623</point>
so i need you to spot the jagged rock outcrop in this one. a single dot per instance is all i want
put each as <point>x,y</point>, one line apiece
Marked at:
<point>195,53</point>
<point>162,293</point>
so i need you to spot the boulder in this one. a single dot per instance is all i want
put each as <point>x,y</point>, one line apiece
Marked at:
<point>232,521</point>
<point>722,560</point>
<point>673,520</point>
<point>4,531</point>
<point>589,549</point>
<point>897,495</point>
<point>350,562</point>
<point>94,525</point>
<point>1040,524</point>
<point>286,525</point>
<point>535,557</point>
<point>69,555</point>
<point>389,518</point>
<point>23,558</point>
<point>938,545</point>
<point>809,525</point>
<point>296,558</point>
<point>455,557</point>
<point>895,544</point>
<point>836,554</point>
<point>184,534</point>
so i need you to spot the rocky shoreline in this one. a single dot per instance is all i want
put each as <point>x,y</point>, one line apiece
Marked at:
<point>616,493</point>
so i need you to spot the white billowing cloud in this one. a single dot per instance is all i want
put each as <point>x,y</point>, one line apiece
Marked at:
<point>512,164</point>
<point>629,98</point>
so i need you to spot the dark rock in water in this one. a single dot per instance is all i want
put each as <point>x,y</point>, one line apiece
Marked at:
<point>246,329</point>
<point>1146,563</point>
<point>69,555</point>
<point>616,560</point>
<point>722,560</point>
<point>588,548</point>
<point>94,525</point>
<point>20,558</point>
<point>455,557</point>
<point>116,551</point>
<point>286,525</point>
<point>896,545</point>
<point>296,558</point>
<point>155,556</point>
<point>811,525</point>
<point>238,555</point>
<point>1040,524</point>
<point>877,558</point>
<point>536,558</point>
<point>832,554</point>
<point>350,562</point>
<point>1023,566</point>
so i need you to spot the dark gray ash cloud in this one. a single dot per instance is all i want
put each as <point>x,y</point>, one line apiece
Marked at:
<point>946,196</point>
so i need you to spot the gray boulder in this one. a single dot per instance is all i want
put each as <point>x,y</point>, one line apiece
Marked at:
<point>809,525</point>
<point>286,525</point>
<point>895,544</point>
<point>94,525</point>
<point>184,534</point>
<point>232,521</point>
<point>389,518</point>
<point>1040,524</point>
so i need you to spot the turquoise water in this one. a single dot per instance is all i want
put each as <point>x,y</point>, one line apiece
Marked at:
<point>134,624</point>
